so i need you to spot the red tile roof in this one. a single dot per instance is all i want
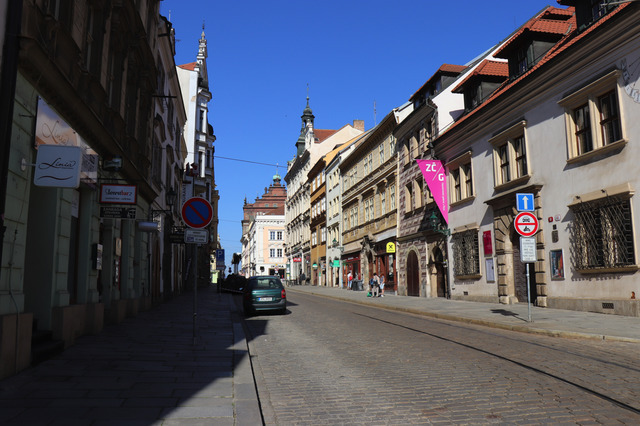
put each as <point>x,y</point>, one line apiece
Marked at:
<point>565,43</point>
<point>190,66</point>
<point>486,68</point>
<point>322,134</point>
<point>444,69</point>
<point>551,21</point>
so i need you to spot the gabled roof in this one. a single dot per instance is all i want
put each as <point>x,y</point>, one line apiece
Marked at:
<point>487,68</point>
<point>189,67</point>
<point>448,69</point>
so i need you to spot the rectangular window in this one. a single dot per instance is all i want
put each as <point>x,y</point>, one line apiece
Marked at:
<point>609,118</point>
<point>520,149</point>
<point>272,252</point>
<point>383,203</point>
<point>584,143</point>
<point>457,189</point>
<point>461,178</point>
<point>503,155</point>
<point>408,198</point>
<point>272,235</point>
<point>510,155</point>
<point>466,254</point>
<point>593,118</point>
<point>468,182</point>
<point>381,149</point>
<point>366,210</point>
<point>602,235</point>
<point>392,197</point>
<point>279,252</point>
<point>279,235</point>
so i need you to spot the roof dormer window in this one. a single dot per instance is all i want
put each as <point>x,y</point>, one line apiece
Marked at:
<point>589,11</point>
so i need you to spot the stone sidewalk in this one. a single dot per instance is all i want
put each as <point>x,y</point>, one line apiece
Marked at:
<point>148,370</point>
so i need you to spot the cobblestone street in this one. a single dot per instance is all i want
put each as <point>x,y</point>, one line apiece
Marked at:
<point>328,362</point>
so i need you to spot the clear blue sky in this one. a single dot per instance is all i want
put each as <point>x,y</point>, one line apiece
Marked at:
<point>351,53</point>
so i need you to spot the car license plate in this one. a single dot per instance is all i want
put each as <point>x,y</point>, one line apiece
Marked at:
<point>265,299</point>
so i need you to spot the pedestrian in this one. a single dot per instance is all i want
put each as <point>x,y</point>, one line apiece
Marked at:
<point>382,285</point>
<point>349,280</point>
<point>375,285</point>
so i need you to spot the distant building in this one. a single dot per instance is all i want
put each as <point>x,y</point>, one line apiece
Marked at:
<point>263,232</point>
<point>312,144</point>
<point>199,176</point>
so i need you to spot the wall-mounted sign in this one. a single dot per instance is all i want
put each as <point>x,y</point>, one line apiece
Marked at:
<point>487,243</point>
<point>58,166</point>
<point>297,259</point>
<point>391,248</point>
<point>118,194</point>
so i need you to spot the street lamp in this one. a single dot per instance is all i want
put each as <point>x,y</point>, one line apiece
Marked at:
<point>169,199</point>
<point>436,225</point>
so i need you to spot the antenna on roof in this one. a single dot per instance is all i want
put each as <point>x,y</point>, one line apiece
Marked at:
<point>375,117</point>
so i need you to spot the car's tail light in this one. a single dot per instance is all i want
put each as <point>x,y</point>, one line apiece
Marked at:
<point>283,294</point>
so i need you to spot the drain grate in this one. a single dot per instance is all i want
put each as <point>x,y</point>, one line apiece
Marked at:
<point>607,305</point>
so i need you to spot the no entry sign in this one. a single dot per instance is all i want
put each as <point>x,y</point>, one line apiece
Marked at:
<point>197,212</point>
<point>526,224</point>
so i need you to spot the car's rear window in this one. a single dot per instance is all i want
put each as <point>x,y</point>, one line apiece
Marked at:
<point>264,283</point>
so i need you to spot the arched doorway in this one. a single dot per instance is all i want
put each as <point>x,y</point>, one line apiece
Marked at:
<point>413,274</point>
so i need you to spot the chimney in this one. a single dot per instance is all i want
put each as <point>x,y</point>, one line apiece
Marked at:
<point>358,124</point>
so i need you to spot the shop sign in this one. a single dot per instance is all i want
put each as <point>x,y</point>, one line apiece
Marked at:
<point>336,263</point>
<point>58,166</point>
<point>391,247</point>
<point>118,194</point>
<point>297,259</point>
<point>117,212</point>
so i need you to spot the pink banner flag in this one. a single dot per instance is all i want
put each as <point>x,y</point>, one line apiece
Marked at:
<point>436,176</point>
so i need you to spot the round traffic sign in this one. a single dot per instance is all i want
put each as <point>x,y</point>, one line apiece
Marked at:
<point>526,224</point>
<point>197,212</point>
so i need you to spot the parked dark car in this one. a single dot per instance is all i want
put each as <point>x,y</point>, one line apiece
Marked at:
<point>233,283</point>
<point>264,293</point>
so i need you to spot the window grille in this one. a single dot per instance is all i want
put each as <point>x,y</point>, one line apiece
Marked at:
<point>466,253</point>
<point>602,234</point>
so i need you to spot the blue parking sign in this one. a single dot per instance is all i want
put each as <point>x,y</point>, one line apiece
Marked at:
<point>524,202</point>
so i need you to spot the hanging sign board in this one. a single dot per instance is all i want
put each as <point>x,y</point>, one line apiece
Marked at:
<point>436,177</point>
<point>118,194</point>
<point>58,166</point>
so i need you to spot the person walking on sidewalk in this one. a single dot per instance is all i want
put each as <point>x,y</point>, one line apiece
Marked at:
<point>349,280</point>
<point>381,286</point>
<point>375,285</point>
